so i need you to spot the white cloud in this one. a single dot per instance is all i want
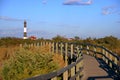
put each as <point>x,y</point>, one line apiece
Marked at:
<point>9,18</point>
<point>112,9</point>
<point>44,1</point>
<point>77,2</point>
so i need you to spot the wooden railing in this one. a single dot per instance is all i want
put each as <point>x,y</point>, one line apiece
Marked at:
<point>73,61</point>
<point>72,53</point>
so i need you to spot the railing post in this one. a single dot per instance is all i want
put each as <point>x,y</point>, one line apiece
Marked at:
<point>66,52</point>
<point>65,74</point>
<point>47,43</point>
<point>94,51</point>
<point>53,48</point>
<point>111,60</point>
<point>50,47</point>
<point>21,45</point>
<point>72,71</point>
<point>38,44</point>
<point>73,68</point>
<point>106,54</point>
<point>77,69</point>
<point>81,47</point>
<point>78,49</point>
<point>31,45</point>
<point>80,64</point>
<point>71,53</point>
<point>61,48</point>
<point>43,43</point>
<point>25,45</point>
<point>103,52</point>
<point>87,49</point>
<point>34,44</point>
<point>116,62</point>
<point>56,47</point>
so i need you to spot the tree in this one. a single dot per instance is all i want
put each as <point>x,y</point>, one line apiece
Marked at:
<point>59,38</point>
<point>77,38</point>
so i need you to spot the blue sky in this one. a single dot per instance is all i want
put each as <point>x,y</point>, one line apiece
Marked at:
<point>68,18</point>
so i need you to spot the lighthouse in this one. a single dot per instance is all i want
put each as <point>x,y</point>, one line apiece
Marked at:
<point>25,30</point>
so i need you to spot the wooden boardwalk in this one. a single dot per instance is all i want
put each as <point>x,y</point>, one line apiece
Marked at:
<point>92,69</point>
<point>104,68</point>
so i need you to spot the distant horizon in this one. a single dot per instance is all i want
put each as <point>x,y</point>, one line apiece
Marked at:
<point>21,37</point>
<point>68,18</point>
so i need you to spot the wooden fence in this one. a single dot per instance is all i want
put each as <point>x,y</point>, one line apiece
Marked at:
<point>72,54</point>
<point>72,57</point>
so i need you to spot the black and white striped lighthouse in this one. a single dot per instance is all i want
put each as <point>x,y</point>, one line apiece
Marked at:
<point>25,30</point>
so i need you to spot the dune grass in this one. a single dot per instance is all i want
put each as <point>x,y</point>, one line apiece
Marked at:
<point>21,63</point>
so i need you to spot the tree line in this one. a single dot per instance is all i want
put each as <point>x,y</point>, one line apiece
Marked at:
<point>110,42</point>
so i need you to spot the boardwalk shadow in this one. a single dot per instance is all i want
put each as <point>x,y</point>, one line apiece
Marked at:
<point>110,72</point>
<point>98,77</point>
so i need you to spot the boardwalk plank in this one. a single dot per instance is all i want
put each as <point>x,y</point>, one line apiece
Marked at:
<point>92,71</point>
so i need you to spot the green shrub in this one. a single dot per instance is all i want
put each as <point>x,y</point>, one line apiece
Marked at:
<point>26,63</point>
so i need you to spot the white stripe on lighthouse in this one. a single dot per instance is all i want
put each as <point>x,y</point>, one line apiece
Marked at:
<point>25,29</point>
